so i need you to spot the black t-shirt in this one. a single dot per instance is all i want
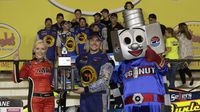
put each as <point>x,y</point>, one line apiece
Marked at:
<point>56,27</point>
<point>106,22</point>
<point>118,26</point>
<point>163,28</point>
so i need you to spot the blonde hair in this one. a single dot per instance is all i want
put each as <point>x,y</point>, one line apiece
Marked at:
<point>40,42</point>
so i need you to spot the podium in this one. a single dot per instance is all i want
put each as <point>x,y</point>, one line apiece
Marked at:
<point>65,80</point>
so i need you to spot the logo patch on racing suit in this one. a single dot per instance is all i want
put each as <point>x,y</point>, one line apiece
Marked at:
<point>135,72</point>
<point>88,75</point>
<point>49,40</point>
<point>44,70</point>
<point>82,38</point>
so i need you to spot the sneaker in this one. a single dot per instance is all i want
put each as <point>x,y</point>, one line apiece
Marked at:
<point>191,81</point>
<point>182,86</point>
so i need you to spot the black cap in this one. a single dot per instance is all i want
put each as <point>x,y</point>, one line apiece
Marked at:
<point>97,14</point>
<point>114,15</point>
<point>96,34</point>
<point>63,22</point>
<point>152,16</point>
<point>105,10</point>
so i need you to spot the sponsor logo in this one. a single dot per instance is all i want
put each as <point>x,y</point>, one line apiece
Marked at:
<point>192,107</point>
<point>44,70</point>
<point>180,97</point>
<point>139,71</point>
<point>9,40</point>
<point>88,75</point>
<point>89,7</point>
<point>155,41</point>
<point>70,44</point>
<point>49,40</point>
<point>82,37</point>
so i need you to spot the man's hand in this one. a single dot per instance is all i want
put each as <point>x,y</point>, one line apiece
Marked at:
<point>79,90</point>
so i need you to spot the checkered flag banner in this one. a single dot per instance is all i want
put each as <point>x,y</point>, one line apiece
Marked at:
<point>116,96</point>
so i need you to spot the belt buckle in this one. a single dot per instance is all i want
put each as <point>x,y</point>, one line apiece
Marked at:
<point>138,98</point>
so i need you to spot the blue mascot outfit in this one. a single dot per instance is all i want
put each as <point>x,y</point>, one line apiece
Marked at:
<point>142,69</point>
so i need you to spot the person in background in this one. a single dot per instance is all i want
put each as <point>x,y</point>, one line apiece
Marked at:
<point>78,15</point>
<point>97,26</point>
<point>81,34</point>
<point>49,35</point>
<point>185,52</point>
<point>38,71</point>
<point>172,47</point>
<point>59,19</point>
<point>95,71</point>
<point>106,20</point>
<point>66,41</point>
<point>128,5</point>
<point>115,25</point>
<point>153,19</point>
<point>97,21</point>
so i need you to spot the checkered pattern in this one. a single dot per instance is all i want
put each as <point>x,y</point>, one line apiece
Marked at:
<point>116,96</point>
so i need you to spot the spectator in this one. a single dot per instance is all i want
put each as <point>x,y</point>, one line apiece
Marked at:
<point>49,35</point>
<point>153,19</point>
<point>171,52</point>
<point>97,26</point>
<point>128,5</point>
<point>59,19</point>
<point>97,17</point>
<point>95,71</point>
<point>115,25</point>
<point>81,34</point>
<point>185,52</point>
<point>75,21</point>
<point>106,20</point>
<point>66,41</point>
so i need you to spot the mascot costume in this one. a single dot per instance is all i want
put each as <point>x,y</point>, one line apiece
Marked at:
<point>142,69</point>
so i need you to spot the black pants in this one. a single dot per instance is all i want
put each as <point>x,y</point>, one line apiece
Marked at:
<point>182,73</point>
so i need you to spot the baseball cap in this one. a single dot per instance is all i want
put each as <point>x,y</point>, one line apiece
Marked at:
<point>104,10</point>
<point>97,14</point>
<point>96,34</point>
<point>113,15</point>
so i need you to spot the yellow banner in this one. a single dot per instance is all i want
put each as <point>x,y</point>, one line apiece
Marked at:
<point>27,17</point>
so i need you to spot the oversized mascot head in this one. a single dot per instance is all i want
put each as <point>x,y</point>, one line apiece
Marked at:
<point>131,42</point>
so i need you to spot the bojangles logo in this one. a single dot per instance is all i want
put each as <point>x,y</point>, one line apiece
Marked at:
<point>6,40</point>
<point>9,40</point>
<point>192,107</point>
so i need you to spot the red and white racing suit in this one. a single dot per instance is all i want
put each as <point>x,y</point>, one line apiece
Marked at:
<point>40,96</point>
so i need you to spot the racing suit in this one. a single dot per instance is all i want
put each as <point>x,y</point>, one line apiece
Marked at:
<point>143,85</point>
<point>40,96</point>
<point>81,35</point>
<point>66,41</point>
<point>50,37</point>
<point>95,71</point>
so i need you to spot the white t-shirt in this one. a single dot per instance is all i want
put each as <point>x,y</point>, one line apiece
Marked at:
<point>185,46</point>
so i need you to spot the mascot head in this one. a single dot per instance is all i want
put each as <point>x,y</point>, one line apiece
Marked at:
<point>131,42</point>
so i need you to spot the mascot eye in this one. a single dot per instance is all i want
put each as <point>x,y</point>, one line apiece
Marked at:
<point>139,38</point>
<point>127,40</point>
